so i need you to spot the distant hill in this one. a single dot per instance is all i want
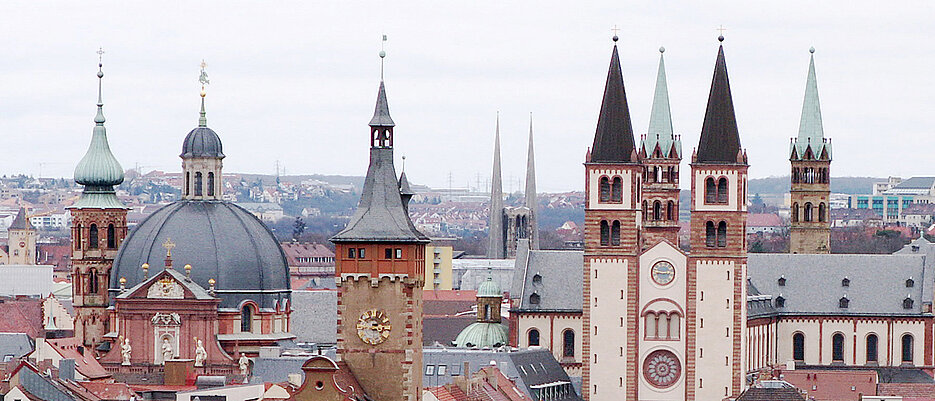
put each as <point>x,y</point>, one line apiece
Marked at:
<point>844,185</point>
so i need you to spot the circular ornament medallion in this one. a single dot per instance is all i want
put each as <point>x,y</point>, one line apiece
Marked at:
<point>373,326</point>
<point>662,368</point>
<point>663,273</point>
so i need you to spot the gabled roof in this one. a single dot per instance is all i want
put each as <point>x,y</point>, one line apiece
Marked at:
<point>85,363</point>
<point>720,139</point>
<point>558,285</point>
<point>613,141</point>
<point>192,288</point>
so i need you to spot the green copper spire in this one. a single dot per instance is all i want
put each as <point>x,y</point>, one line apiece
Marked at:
<point>811,132</point>
<point>660,119</point>
<point>99,171</point>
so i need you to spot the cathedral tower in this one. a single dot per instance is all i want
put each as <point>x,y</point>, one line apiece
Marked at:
<point>613,176</point>
<point>716,311</point>
<point>202,157</point>
<point>99,225</point>
<point>496,245</point>
<point>661,153</point>
<point>531,201</point>
<point>380,271</point>
<point>22,240</point>
<point>810,155</point>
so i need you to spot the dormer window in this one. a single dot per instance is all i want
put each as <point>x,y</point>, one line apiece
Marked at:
<point>844,302</point>
<point>534,299</point>
<point>537,279</point>
<point>780,302</point>
<point>907,303</point>
<point>910,283</point>
<point>781,281</point>
<point>846,282</point>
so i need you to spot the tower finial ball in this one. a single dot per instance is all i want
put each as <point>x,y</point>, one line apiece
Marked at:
<point>382,54</point>
<point>811,49</point>
<point>720,38</point>
<point>616,38</point>
<point>662,49</point>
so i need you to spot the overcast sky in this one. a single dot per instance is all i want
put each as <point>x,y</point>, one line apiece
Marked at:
<point>296,81</point>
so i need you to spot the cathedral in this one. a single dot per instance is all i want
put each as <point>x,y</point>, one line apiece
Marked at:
<point>508,225</point>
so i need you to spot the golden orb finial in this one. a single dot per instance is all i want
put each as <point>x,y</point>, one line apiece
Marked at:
<point>123,280</point>
<point>211,281</point>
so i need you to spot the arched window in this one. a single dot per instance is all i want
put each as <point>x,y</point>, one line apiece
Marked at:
<point>837,347</point>
<point>534,299</point>
<point>111,237</point>
<point>651,319</point>
<point>872,348</point>
<point>92,281</point>
<point>568,344</point>
<point>657,210</point>
<point>821,211</point>
<point>673,326</point>
<point>486,312</point>
<point>907,348</point>
<point>616,190</point>
<point>710,235</point>
<point>722,234</point>
<point>188,183</point>
<point>198,183</point>
<point>798,347</point>
<point>604,190</point>
<point>710,190</point>
<point>615,233</point>
<point>246,319</point>
<point>722,190</point>
<point>795,212</point>
<point>210,183</point>
<point>533,338</point>
<point>808,211</point>
<point>605,233</point>
<point>92,237</point>
<point>670,210</point>
<point>78,237</point>
<point>645,210</point>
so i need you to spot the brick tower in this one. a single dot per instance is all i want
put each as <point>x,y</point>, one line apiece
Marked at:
<point>99,225</point>
<point>810,155</point>
<point>661,153</point>
<point>716,315</point>
<point>613,176</point>
<point>380,271</point>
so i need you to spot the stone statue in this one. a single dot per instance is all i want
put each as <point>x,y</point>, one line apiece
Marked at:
<point>244,363</point>
<point>200,354</point>
<point>167,351</point>
<point>125,351</point>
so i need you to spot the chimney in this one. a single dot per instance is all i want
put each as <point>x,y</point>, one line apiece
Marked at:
<point>466,370</point>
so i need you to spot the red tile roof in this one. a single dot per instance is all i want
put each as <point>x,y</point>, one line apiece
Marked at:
<point>109,391</point>
<point>21,316</point>
<point>58,255</point>
<point>304,254</point>
<point>764,220</point>
<point>85,363</point>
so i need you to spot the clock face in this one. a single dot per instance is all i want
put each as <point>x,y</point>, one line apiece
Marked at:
<point>662,368</point>
<point>663,273</point>
<point>373,327</point>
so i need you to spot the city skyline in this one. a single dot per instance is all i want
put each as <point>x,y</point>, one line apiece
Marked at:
<point>287,84</point>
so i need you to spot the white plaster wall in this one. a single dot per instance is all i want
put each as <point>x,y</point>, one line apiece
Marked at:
<point>917,329</point>
<point>732,179</point>
<point>784,338</point>
<point>608,332</point>
<point>594,189</point>
<point>829,328</point>
<point>713,371</point>
<point>864,328</point>
<point>668,298</point>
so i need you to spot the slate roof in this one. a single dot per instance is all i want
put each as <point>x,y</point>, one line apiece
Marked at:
<point>202,142</point>
<point>314,316</point>
<point>381,112</point>
<point>20,222</point>
<point>15,344</point>
<point>560,287</point>
<point>813,283</point>
<point>613,140</point>
<point>720,139</point>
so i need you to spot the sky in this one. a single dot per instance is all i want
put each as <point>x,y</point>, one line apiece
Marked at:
<point>295,82</point>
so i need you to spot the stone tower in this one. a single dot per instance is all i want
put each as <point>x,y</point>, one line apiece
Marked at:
<point>496,245</point>
<point>611,248</point>
<point>661,153</point>
<point>99,225</point>
<point>380,271</point>
<point>715,315</point>
<point>531,201</point>
<point>810,155</point>
<point>22,240</point>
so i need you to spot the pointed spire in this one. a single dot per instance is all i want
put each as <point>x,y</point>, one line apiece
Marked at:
<point>720,139</point>
<point>381,113</point>
<point>21,222</point>
<point>660,119</point>
<point>99,170</point>
<point>613,141</point>
<point>531,200</point>
<point>495,246</point>
<point>811,131</point>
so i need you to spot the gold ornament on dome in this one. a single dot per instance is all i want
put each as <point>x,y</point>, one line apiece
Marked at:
<point>374,327</point>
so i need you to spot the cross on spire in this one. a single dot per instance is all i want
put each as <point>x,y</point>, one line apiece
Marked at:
<point>614,30</point>
<point>721,30</point>
<point>100,55</point>
<point>169,245</point>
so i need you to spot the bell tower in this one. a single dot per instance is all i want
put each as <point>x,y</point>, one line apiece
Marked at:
<point>810,155</point>
<point>716,311</point>
<point>202,156</point>
<point>380,272</point>
<point>99,225</point>
<point>612,222</point>
<point>661,153</point>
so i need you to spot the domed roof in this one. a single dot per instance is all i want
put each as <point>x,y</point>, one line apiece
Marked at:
<point>483,335</point>
<point>202,142</point>
<point>489,289</point>
<point>221,241</point>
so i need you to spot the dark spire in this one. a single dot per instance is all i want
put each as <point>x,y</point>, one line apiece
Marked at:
<point>21,222</point>
<point>720,140</point>
<point>613,141</point>
<point>531,201</point>
<point>495,245</point>
<point>381,113</point>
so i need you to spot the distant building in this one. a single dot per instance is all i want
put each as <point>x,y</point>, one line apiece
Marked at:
<point>507,225</point>
<point>764,223</point>
<point>438,267</point>
<point>891,198</point>
<point>468,274</point>
<point>267,212</point>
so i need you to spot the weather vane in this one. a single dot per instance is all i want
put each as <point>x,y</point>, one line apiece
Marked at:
<point>203,78</point>
<point>382,55</point>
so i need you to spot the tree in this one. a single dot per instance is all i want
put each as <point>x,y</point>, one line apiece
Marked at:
<point>298,228</point>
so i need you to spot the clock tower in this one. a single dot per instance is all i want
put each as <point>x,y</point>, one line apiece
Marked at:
<point>380,272</point>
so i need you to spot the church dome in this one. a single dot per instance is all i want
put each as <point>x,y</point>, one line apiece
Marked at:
<point>489,289</point>
<point>483,335</point>
<point>220,240</point>
<point>202,142</point>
